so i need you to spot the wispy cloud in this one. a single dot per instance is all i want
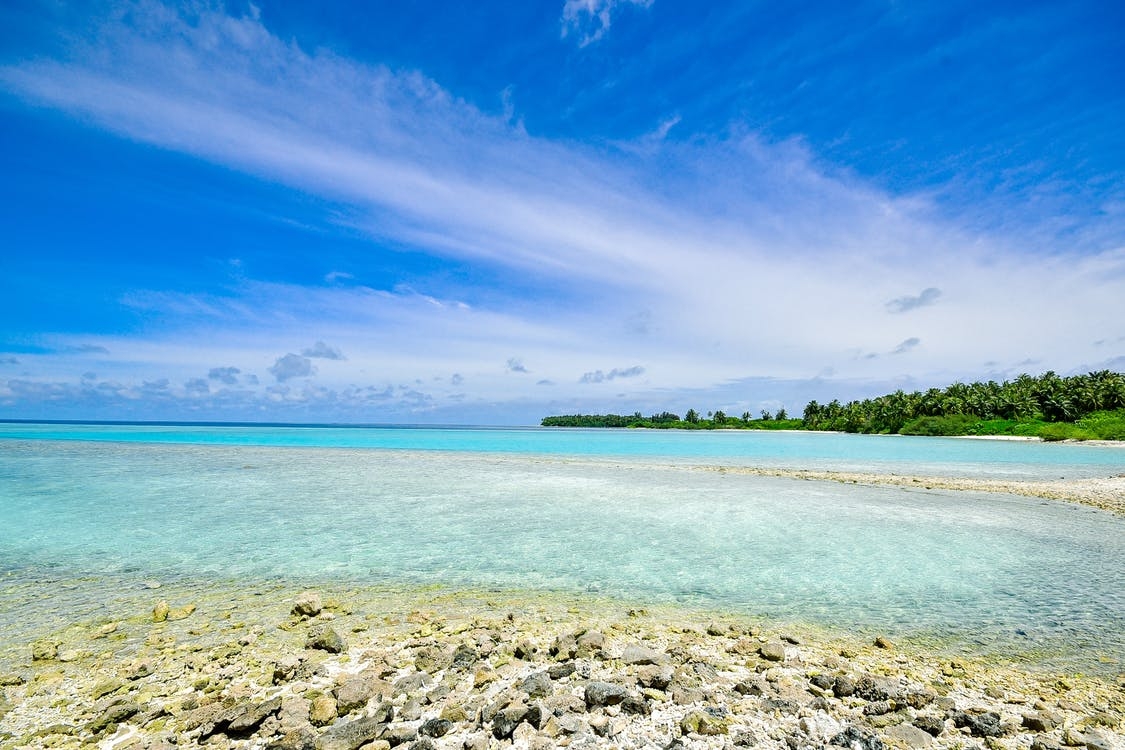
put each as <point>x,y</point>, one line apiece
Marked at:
<point>225,375</point>
<point>597,376</point>
<point>907,345</point>
<point>589,20</point>
<point>712,258</point>
<point>321,350</point>
<point>928,296</point>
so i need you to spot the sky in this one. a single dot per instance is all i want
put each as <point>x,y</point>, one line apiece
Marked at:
<point>488,212</point>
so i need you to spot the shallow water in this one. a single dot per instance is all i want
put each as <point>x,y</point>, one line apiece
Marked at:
<point>998,573</point>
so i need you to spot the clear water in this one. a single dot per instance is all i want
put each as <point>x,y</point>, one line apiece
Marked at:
<point>620,513</point>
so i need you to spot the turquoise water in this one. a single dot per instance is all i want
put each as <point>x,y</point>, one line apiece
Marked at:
<point>620,513</point>
<point>892,453</point>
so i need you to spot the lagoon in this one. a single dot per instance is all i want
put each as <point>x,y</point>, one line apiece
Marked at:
<point>624,514</point>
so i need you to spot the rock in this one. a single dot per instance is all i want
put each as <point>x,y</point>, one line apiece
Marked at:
<point>822,682</point>
<point>411,683</point>
<point>525,650</point>
<point>350,735</point>
<point>564,648</point>
<point>704,723</point>
<point>772,651</point>
<point>181,613</point>
<point>464,656</point>
<point>432,659</point>
<point>301,738</point>
<point>1040,721</point>
<point>718,629</point>
<point>636,705</point>
<point>160,611</point>
<point>506,720</point>
<point>877,708</point>
<point>882,642</point>
<point>640,655</point>
<point>590,643</point>
<point>327,639</point>
<point>877,688</point>
<point>559,671</point>
<point>1091,739</point>
<point>984,724</point>
<point>285,669</point>
<point>756,686</point>
<point>854,739</point>
<point>844,687</point>
<point>322,709</point>
<point>307,604</point>
<point>44,650</point>
<point>247,720</point>
<point>820,726</point>
<point>113,715</point>
<point>604,694</point>
<point>658,677</point>
<point>931,725</point>
<point>400,734</point>
<point>910,736</point>
<point>354,691</point>
<point>435,728</point>
<point>537,685</point>
<point>12,679</point>
<point>920,698</point>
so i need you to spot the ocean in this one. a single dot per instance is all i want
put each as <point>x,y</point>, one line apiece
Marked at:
<point>95,516</point>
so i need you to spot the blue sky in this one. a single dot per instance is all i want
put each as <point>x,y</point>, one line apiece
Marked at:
<point>490,212</point>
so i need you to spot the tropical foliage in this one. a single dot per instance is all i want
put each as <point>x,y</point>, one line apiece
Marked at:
<point>977,408</point>
<point>1049,406</point>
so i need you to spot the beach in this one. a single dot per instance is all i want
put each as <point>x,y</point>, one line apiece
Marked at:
<point>375,668</point>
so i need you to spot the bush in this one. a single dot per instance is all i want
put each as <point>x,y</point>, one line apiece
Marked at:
<point>1105,425</point>
<point>1064,431</point>
<point>947,426</point>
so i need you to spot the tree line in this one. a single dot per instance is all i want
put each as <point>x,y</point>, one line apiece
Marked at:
<point>1048,406</point>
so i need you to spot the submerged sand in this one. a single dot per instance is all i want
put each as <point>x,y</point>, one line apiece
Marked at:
<point>1106,493</point>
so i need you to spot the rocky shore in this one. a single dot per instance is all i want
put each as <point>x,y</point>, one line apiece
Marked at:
<point>349,669</point>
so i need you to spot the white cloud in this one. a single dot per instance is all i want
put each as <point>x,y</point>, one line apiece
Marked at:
<point>727,257</point>
<point>292,366</point>
<point>589,20</point>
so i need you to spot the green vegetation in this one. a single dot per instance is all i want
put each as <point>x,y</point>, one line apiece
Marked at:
<point>1080,407</point>
<point>692,421</point>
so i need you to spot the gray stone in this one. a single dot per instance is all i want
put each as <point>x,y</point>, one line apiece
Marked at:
<point>844,686</point>
<point>772,651</point>
<point>464,656</point>
<point>559,671</point>
<point>506,720</point>
<point>399,734</point>
<point>114,714</point>
<point>854,739</point>
<point>435,728</point>
<point>872,688</point>
<point>877,708</point>
<point>1040,721</point>
<point>301,738</point>
<point>411,683</point>
<point>932,725</point>
<point>354,691</point>
<point>327,639</point>
<point>251,716</point>
<point>658,677</point>
<point>307,604</point>
<point>604,694</point>
<point>351,735</point>
<point>537,685</point>
<point>704,723</point>
<point>984,724</point>
<point>910,735</point>
<point>634,654</point>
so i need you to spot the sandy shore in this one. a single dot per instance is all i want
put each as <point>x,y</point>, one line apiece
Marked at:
<point>350,669</point>
<point>1107,493</point>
